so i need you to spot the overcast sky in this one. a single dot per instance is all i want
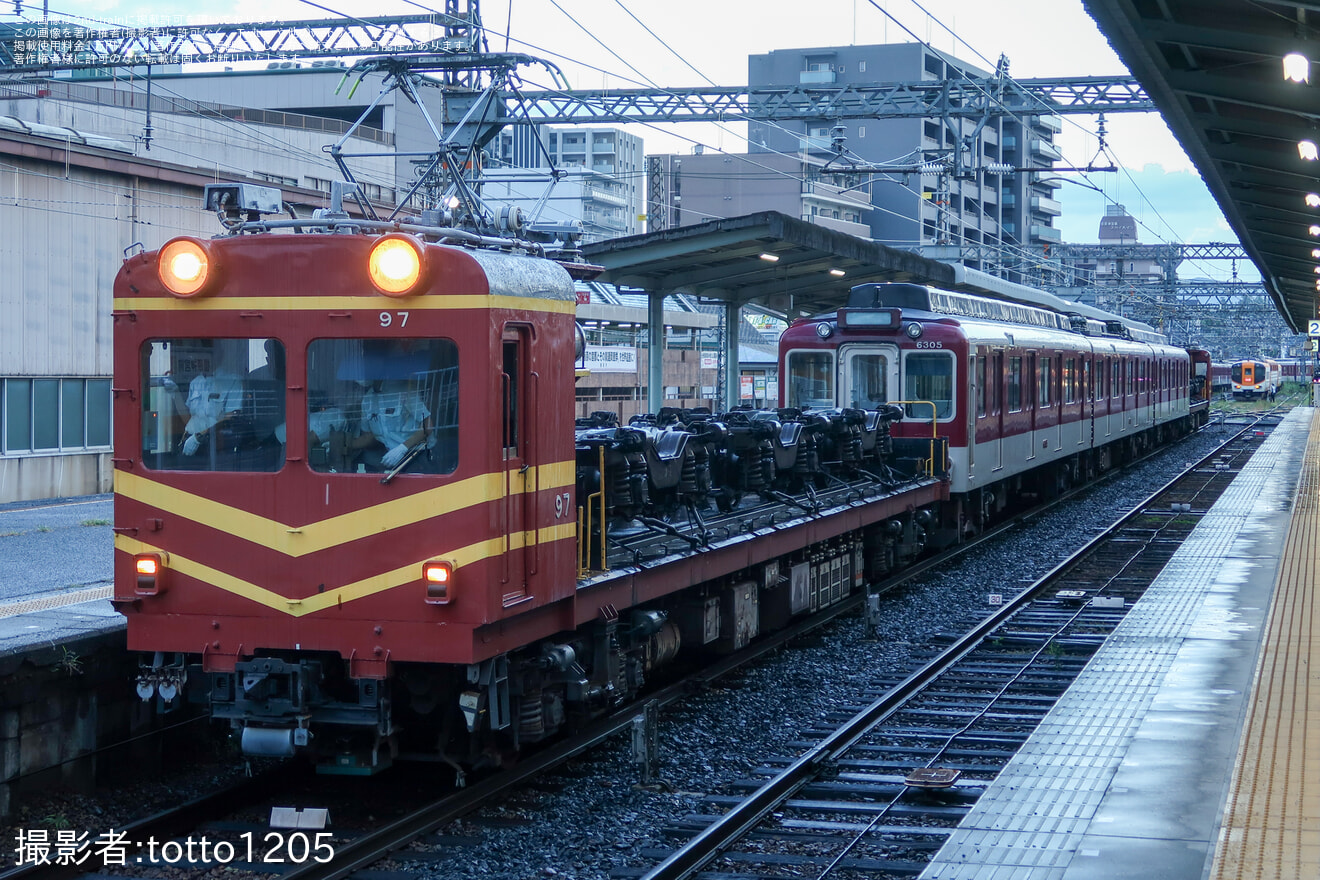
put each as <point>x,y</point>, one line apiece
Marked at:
<point>697,42</point>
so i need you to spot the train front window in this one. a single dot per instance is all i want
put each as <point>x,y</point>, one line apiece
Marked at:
<point>867,376</point>
<point>213,404</point>
<point>382,406</point>
<point>928,377</point>
<point>811,379</point>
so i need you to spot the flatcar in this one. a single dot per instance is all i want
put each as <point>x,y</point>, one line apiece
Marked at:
<point>355,519</point>
<point>1259,377</point>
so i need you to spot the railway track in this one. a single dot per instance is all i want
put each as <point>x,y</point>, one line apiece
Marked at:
<point>877,795</point>
<point>354,851</point>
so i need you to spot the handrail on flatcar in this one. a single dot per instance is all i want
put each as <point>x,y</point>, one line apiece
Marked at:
<point>934,428</point>
<point>584,525</point>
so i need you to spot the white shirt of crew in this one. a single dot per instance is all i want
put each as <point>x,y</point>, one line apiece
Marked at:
<point>209,398</point>
<point>392,415</point>
<point>323,422</point>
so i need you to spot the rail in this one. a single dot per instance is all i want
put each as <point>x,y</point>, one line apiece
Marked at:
<point>710,843</point>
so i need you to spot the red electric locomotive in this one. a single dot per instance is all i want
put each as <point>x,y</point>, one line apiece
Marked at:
<point>304,464</point>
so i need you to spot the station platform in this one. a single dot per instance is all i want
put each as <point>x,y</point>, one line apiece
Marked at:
<point>56,577</point>
<point>1189,748</point>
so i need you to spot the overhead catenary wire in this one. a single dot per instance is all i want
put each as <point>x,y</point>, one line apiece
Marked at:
<point>1104,148</point>
<point>653,35</point>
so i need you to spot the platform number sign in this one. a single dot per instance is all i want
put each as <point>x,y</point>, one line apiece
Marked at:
<point>1313,328</point>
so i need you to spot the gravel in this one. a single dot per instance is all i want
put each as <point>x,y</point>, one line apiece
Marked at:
<point>600,821</point>
<point>592,818</point>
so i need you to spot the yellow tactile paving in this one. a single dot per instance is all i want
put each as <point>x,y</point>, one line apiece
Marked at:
<point>1271,827</point>
<point>55,600</point>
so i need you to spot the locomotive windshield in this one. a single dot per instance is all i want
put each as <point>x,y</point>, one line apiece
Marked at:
<point>377,405</point>
<point>213,404</point>
<point>928,376</point>
<point>811,379</point>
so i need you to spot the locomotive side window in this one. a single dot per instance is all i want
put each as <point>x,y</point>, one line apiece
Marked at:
<point>1070,380</point>
<point>381,406</point>
<point>1046,373</point>
<point>811,379</point>
<point>928,376</point>
<point>213,404</point>
<point>512,395</point>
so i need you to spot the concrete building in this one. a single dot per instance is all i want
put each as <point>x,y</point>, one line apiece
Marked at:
<point>596,202</point>
<point>684,190</point>
<point>923,210</point>
<point>603,173</point>
<point>614,321</point>
<point>1120,257</point>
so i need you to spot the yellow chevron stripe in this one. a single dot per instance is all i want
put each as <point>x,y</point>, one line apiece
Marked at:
<point>316,536</point>
<point>379,583</point>
<point>342,303</point>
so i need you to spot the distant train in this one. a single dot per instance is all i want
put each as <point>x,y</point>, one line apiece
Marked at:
<point>355,519</point>
<point>1027,399</point>
<point>1255,378</point>
<point>1221,381</point>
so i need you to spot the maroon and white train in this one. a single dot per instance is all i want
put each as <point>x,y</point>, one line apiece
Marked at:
<point>1028,398</point>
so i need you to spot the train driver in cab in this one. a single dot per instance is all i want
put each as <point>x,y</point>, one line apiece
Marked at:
<point>214,399</point>
<point>395,423</point>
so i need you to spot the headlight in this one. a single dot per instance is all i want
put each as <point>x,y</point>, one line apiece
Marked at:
<point>396,264</point>
<point>184,266</point>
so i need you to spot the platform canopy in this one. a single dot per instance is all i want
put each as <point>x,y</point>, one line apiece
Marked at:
<point>1214,68</point>
<point>730,261</point>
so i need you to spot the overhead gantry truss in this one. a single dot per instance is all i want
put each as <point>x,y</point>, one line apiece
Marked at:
<point>45,47</point>
<point>36,47</point>
<point>969,98</point>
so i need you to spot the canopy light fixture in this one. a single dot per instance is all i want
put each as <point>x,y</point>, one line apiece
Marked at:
<point>770,258</point>
<point>1307,150</point>
<point>838,273</point>
<point>1313,200</point>
<point>1296,67</point>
